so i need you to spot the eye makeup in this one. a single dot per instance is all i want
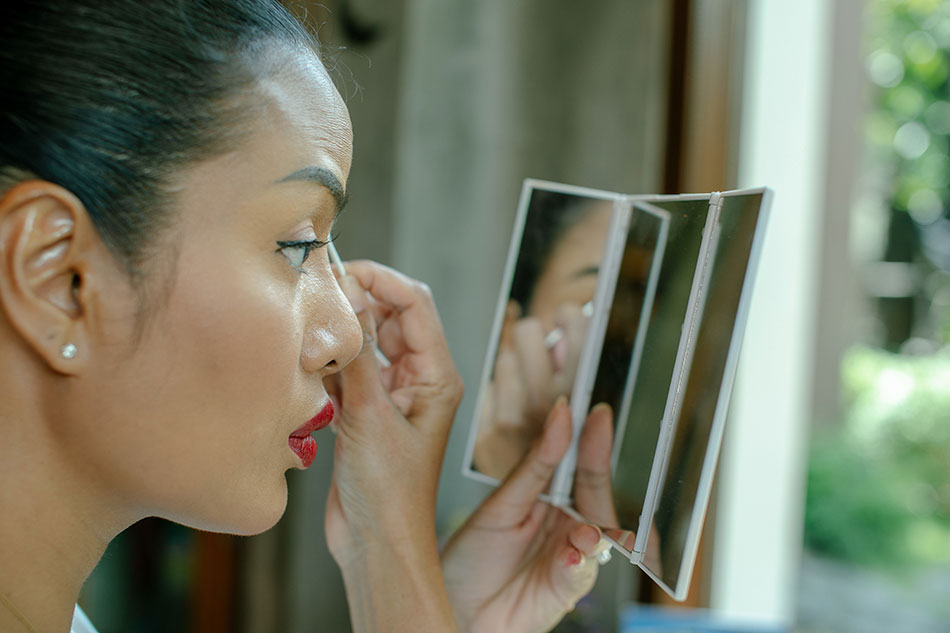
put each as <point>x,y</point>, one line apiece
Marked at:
<point>303,247</point>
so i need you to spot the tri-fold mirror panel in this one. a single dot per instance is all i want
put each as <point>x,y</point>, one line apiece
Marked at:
<point>638,302</point>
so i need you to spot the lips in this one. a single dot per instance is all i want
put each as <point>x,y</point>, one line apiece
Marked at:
<point>304,446</point>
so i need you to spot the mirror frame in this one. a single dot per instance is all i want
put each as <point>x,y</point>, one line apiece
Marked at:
<point>623,206</point>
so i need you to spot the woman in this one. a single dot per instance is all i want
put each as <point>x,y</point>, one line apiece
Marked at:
<point>170,326</point>
<point>555,277</point>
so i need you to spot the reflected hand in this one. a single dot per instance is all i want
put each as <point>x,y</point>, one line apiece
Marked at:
<point>527,378</point>
<point>392,423</point>
<point>518,564</point>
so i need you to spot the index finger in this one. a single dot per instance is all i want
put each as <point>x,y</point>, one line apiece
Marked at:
<point>409,300</point>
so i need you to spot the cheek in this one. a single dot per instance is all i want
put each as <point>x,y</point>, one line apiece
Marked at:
<point>232,334</point>
<point>199,417</point>
<point>234,347</point>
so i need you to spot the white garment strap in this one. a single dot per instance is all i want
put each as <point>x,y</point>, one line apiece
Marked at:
<point>81,623</point>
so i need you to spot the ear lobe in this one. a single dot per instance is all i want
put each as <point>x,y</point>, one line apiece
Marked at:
<point>41,270</point>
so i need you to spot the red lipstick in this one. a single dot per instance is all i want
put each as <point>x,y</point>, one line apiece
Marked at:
<point>300,441</point>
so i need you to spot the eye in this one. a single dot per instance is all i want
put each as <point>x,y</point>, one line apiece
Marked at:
<point>297,251</point>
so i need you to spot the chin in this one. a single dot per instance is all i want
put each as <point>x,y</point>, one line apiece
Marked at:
<point>241,518</point>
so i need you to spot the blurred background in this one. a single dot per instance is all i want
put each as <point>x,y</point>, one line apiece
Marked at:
<point>831,509</point>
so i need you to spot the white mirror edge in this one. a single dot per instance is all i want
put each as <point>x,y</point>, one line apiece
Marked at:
<point>697,517</point>
<point>711,456</point>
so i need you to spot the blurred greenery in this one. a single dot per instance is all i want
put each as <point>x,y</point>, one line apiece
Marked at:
<point>879,483</point>
<point>908,139</point>
<point>879,480</point>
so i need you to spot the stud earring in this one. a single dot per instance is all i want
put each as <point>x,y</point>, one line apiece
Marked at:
<point>68,351</point>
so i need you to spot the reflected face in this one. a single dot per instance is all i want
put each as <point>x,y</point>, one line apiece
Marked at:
<point>192,422</point>
<point>570,275</point>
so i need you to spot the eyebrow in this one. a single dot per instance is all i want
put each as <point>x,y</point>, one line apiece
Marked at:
<point>323,177</point>
<point>586,271</point>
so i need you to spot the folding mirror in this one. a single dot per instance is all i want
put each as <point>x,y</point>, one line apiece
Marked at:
<point>638,302</point>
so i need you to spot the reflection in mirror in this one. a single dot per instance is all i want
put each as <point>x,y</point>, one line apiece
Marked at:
<point>640,402</point>
<point>697,433</point>
<point>644,463</point>
<point>548,309</point>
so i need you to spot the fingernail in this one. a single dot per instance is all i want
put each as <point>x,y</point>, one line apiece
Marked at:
<point>602,406</point>
<point>555,410</point>
<point>574,557</point>
<point>354,292</point>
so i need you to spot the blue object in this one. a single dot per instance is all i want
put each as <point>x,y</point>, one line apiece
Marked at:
<point>649,619</point>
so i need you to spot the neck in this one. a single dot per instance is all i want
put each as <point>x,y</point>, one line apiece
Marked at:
<point>53,531</point>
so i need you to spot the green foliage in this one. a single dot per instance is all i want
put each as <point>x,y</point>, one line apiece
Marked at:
<point>908,139</point>
<point>879,484</point>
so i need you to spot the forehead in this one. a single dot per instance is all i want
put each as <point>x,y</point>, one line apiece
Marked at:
<point>583,244</point>
<point>299,122</point>
<point>304,118</point>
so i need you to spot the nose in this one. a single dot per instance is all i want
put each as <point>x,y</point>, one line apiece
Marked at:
<point>333,336</point>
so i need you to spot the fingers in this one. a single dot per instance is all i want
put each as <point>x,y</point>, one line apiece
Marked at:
<point>574,577</point>
<point>509,402</point>
<point>409,300</point>
<point>534,361</point>
<point>422,382</point>
<point>571,320</point>
<point>585,545</point>
<point>361,376</point>
<point>512,314</point>
<point>513,500</point>
<point>593,492</point>
<point>585,538</point>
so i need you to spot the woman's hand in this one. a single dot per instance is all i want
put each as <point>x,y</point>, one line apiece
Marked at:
<point>392,426</point>
<point>519,565</point>
<point>532,368</point>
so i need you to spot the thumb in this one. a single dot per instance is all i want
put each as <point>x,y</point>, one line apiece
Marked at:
<point>518,493</point>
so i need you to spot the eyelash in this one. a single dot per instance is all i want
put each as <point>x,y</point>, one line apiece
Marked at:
<point>306,246</point>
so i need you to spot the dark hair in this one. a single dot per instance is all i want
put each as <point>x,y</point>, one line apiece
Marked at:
<point>111,98</point>
<point>550,215</point>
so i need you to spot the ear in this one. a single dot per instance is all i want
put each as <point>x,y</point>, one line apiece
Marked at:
<point>45,236</point>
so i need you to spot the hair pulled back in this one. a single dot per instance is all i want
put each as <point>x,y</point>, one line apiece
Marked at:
<point>111,98</point>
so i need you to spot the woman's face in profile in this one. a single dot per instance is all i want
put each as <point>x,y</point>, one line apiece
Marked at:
<point>193,420</point>
<point>570,274</point>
